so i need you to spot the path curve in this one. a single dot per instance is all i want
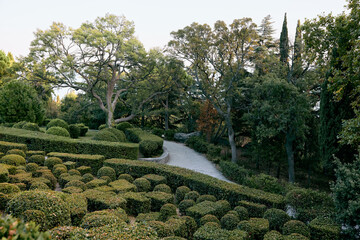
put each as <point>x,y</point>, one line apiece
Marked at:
<point>185,157</point>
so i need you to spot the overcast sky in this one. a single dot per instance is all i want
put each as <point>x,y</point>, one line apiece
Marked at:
<point>154,19</point>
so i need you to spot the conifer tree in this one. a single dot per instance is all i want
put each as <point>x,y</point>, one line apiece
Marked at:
<point>284,43</point>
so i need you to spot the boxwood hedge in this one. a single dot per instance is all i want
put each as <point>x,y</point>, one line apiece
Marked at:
<point>6,146</point>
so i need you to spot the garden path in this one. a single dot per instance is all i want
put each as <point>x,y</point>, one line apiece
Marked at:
<point>182,156</point>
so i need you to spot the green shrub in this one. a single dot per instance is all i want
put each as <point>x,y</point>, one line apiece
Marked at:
<point>31,127</point>
<point>38,159</point>
<point>155,179</point>
<point>162,188</point>
<point>233,171</point>
<point>87,177</point>
<point>58,171</point>
<point>150,216</point>
<point>277,218</point>
<point>180,193</point>
<point>206,197</point>
<point>107,171</point>
<point>78,207</point>
<point>256,227</point>
<point>177,226</point>
<point>71,190</point>
<point>32,167</point>
<point>84,170</point>
<point>136,203</point>
<point>162,229</point>
<point>158,132</point>
<point>64,178</point>
<point>149,148</point>
<point>4,174</point>
<point>83,129</point>
<point>197,143</point>
<point>158,199</point>
<point>122,186</point>
<point>93,220</point>
<point>209,218</point>
<point>191,226</point>
<point>185,204</point>
<point>223,206</point>
<point>120,135</point>
<point>324,229</point>
<point>166,211</point>
<point>193,195</point>
<point>212,232</point>
<point>229,221</point>
<point>295,226</point>
<point>273,235</point>
<point>6,146</point>
<point>98,200</point>
<point>104,135</point>
<point>242,213</point>
<point>169,134</point>
<point>266,183</point>
<point>19,124</point>
<point>36,216</point>
<point>57,123</point>
<point>199,182</point>
<point>128,178</point>
<point>13,159</point>
<point>74,131</point>
<point>137,135</point>
<point>102,126</point>
<point>55,209</point>
<point>201,209</point>
<point>50,162</point>
<point>74,172</point>
<point>124,125</point>
<point>51,143</point>
<point>254,209</point>
<point>31,153</point>
<point>71,165</point>
<point>9,189</point>
<point>295,236</point>
<point>96,183</point>
<point>12,228</point>
<point>76,183</point>
<point>16,152</point>
<point>58,131</point>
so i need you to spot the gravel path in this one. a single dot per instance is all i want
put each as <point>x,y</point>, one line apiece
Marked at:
<point>182,156</point>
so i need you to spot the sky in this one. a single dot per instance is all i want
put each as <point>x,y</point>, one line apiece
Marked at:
<point>154,19</point>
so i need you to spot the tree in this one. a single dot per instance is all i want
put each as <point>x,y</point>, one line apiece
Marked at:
<point>6,62</point>
<point>284,43</point>
<point>102,58</point>
<point>218,60</point>
<point>19,102</point>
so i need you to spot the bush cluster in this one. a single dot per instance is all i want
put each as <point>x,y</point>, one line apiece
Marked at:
<point>58,131</point>
<point>150,144</point>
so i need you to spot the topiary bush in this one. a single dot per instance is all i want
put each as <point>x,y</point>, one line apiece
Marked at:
<point>38,159</point>
<point>36,216</point>
<point>74,131</point>
<point>78,207</point>
<point>185,204</point>
<point>107,171</point>
<point>122,186</point>
<point>83,129</point>
<point>120,135</point>
<point>158,199</point>
<point>277,218</point>
<point>166,211</point>
<point>13,159</point>
<point>50,162</point>
<point>242,213</point>
<point>98,200</point>
<point>84,169</point>
<point>266,183</point>
<point>233,171</point>
<point>209,218</point>
<point>295,226</point>
<point>92,220</point>
<point>124,125</point>
<point>229,221</point>
<point>57,123</point>
<point>256,227</point>
<point>104,135</point>
<point>162,188</point>
<point>58,131</point>
<point>16,152</point>
<point>102,126</point>
<point>180,193</point>
<point>127,177</point>
<point>254,209</point>
<point>19,124</point>
<point>273,235</point>
<point>193,195</point>
<point>295,236</point>
<point>76,183</point>
<point>162,229</point>
<point>148,148</point>
<point>136,203</point>
<point>197,143</point>
<point>56,211</point>
<point>142,184</point>
<point>32,167</point>
<point>324,228</point>
<point>206,197</point>
<point>31,127</point>
<point>87,177</point>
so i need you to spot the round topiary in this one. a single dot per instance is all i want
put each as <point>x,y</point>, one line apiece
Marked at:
<point>209,218</point>
<point>166,211</point>
<point>277,218</point>
<point>295,236</point>
<point>105,136</point>
<point>38,159</point>
<point>127,177</point>
<point>229,221</point>
<point>36,216</point>
<point>124,125</point>
<point>56,211</point>
<point>148,148</point>
<point>273,235</point>
<point>31,127</point>
<point>76,183</point>
<point>102,126</point>
<point>13,159</point>
<point>57,123</point>
<point>193,195</point>
<point>107,171</point>
<point>39,186</point>
<point>107,179</point>
<point>84,169</point>
<point>185,204</point>
<point>162,188</point>
<point>180,193</point>
<point>71,190</point>
<point>58,171</point>
<point>87,177</point>
<point>58,131</point>
<point>51,162</point>
<point>17,152</point>
<point>295,226</point>
<point>120,135</point>
<point>202,198</point>
<point>19,124</point>
<point>142,184</point>
<point>224,207</point>
<point>74,131</point>
<point>8,188</point>
<point>94,220</point>
<point>32,167</point>
<point>162,229</point>
<point>74,172</point>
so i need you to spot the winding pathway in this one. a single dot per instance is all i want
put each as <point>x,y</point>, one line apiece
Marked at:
<point>182,156</point>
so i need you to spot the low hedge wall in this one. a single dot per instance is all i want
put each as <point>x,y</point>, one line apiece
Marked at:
<point>204,184</point>
<point>6,146</point>
<point>93,161</point>
<point>51,143</point>
<point>150,144</point>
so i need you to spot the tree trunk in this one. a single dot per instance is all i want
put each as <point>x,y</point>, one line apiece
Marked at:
<point>110,118</point>
<point>231,135</point>
<point>290,155</point>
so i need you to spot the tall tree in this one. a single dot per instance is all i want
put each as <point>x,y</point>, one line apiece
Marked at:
<point>218,61</point>
<point>284,43</point>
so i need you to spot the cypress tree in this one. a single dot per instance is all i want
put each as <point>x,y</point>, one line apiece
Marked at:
<point>298,48</point>
<point>284,43</point>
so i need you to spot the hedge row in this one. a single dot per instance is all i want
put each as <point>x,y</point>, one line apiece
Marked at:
<point>6,146</point>
<point>50,143</point>
<point>150,144</point>
<point>93,161</point>
<point>204,184</point>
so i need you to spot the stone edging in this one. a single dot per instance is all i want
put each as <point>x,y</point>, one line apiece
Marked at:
<point>164,158</point>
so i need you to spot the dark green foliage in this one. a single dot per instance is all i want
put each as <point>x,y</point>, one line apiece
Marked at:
<point>84,170</point>
<point>128,178</point>
<point>31,127</point>
<point>265,182</point>
<point>96,183</point>
<point>70,165</point>
<point>8,188</point>
<point>107,136</point>
<point>56,210</point>
<point>284,43</point>
<point>50,162</point>
<point>177,226</point>
<point>58,171</point>
<point>201,209</point>
<point>78,207</point>
<point>36,216</point>
<point>98,200</point>
<point>64,178</point>
<point>295,226</point>
<point>273,235</point>
<point>57,123</point>
<point>122,186</point>
<point>206,197</point>
<point>45,142</point>
<point>162,188</point>
<point>20,124</point>
<point>162,229</point>
<point>169,134</point>
<point>202,183</point>
<point>87,177</point>
<point>180,193</point>
<point>193,195</point>
<point>148,148</point>
<point>19,102</point>
<point>92,220</point>
<point>185,204</point>
<point>233,171</point>
<point>58,131</point>
<point>107,171</point>
<point>12,228</point>
<point>4,174</point>
<point>120,135</point>
<point>254,209</point>
<point>158,131</point>
<point>223,207</point>
<point>32,153</point>
<point>32,167</point>
<point>295,236</point>
<point>155,179</point>
<point>71,190</point>
<point>137,135</point>
<point>136,203</point>
<point>83,129</point>
<point>13,159</point>
<point>256,227</point>
<point>229,221</point>
<point>124,125</point>
<point>324,229</point>
<point>17,152</point>
<point>6,146</point>
<point>211,232</point>
<point>151,216</point>
<point>158,199</point>
<point>38,159</point>
<point>277,218</point>
<point>198,144</point>
<point>209,218</point>
<point>76,183</point>
<point>166,211</point>
<point>242,213</point>
<point>74,131</point>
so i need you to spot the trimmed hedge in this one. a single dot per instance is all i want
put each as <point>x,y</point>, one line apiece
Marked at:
<point>78,207</point>
<point>277,218</point>
<point>122,186</point>
<point>324,228</point>
<point>93,161</point>
<point>124,125</point>
<point>211,232</point>
<point>295,226</point>
<point>233,171</point>
<point>17,152</point>
<point>13,159</point>
<point>137,135</point>
<point>202,183</point>
<point>74,131</point>
<point>44,142</point>
<point>142,184</point>
<point>254,209</point>
<point>273,235</point>
<point>6,146</point>
<point>158,199</point>
<point>58,131</point>
<point>136,203</point>
<point>256,227</point>
<point>98,200</point>
<point>57,122</point>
